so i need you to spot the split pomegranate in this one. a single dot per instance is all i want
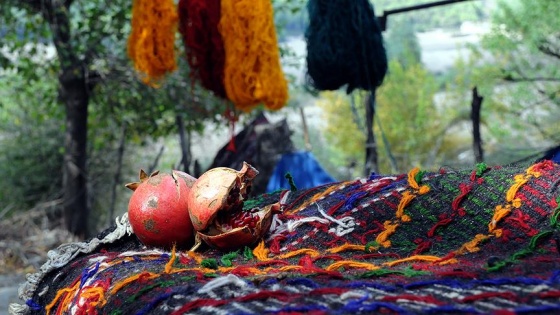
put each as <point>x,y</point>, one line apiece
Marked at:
<point>158,209</point>
<point>216,209</point>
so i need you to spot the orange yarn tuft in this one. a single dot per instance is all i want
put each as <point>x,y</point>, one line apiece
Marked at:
<point>252,71</point>
<point>151,44</point>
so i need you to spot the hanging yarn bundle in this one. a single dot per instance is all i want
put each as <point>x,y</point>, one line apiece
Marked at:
<point>344,45</point>
<point>252,70</point>
<point>151,41</point>
<point>198,25</point>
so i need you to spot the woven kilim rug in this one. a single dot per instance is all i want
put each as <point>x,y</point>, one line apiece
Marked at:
<point>480,241</point>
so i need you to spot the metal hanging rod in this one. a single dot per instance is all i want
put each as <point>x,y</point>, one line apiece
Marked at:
<point>383,19</point>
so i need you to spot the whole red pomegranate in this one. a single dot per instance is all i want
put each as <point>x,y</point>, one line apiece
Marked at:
<point>158,209</point>
<point>216,208</point>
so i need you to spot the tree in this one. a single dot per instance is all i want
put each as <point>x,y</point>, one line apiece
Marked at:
<point>344,129</point>
<point>94,80</point>
<point>74,92</point>
<point>412,125</point>
<point>525,47</point>
<point>402,42</point>
<point>516,69</point>
<point>30,142</point>
<point>409,127</point>
<point>105,108</point>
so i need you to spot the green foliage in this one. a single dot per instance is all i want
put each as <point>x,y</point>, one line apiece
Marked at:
<point>118,101</point>
<point>409,119</point>
<point>290,17</point>
<point>402,44</point>
<point>344,133</point>
<point>516,70</point>
<point>30,142</point>
<point>408,125</point>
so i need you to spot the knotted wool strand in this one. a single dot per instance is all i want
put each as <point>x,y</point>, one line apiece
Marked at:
<point>252,72</point>
<point>344,45</point>
<point>151,41</point>
<point>198,25</point>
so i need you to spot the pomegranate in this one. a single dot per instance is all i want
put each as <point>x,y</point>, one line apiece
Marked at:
<point>216,209</point>
<point>158,209</point>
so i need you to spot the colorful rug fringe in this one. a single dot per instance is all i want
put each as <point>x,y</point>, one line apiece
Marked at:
<point>481,241</point>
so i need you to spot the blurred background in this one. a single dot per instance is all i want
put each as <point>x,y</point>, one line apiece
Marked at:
<point>498,61</point>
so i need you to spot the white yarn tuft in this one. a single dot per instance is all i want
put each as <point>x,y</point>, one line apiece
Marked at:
<point>223,281</point>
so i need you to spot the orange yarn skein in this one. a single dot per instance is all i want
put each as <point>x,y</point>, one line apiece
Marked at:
<point>151,41</point>
<point>252,70</point>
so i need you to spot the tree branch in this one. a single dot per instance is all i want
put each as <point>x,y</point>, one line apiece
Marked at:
<point>36,6</point>
<point>535,79</point>
<point>546,48</point>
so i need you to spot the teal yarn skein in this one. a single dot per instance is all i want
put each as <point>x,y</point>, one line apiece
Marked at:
<point>344,46</point>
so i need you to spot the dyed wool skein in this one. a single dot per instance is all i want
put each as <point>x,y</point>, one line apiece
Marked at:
<point>252,72</point>
<point>198,25</point>
<point>151,41</point>
<point>344,46</point>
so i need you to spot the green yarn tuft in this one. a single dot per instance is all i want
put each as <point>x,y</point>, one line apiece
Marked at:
<point>227,259</point>
<point>209,263</point>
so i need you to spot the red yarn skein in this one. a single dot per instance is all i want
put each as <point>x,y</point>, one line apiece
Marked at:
<point>198,25</point>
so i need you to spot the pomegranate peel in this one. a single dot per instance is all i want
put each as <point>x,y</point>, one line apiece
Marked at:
<point>216,209</point>
<point>228,238</point>
<point>219,189</point>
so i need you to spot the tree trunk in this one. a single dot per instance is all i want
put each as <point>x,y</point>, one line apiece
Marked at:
<point>117,175</point>
<point>371,147</point>
<point>185,143</point>
<point>475,117</point>
<point>73,92</point>
<point>76,211</point>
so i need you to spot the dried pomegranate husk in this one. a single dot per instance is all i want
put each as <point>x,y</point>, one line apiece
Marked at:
<point>216,209</point>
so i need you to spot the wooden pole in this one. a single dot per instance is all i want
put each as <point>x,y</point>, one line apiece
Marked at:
<point>475,117</point>
<point>305,130</point>
<point>371,146</point>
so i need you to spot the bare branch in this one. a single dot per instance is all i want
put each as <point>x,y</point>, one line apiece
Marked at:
<point>547,48</point>
<point>535,79</point>
<point>37,6</point>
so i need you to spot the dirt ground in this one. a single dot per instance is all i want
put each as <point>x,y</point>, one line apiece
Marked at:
<point>25,240</point>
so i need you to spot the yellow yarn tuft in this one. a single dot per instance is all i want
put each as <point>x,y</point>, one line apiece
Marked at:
<point>151,41</point>
<point>412,178</point>
<point>405,200</point>
<point>303,251</point>
<point>428,258</point>
<point>261,252</point>
<point>472,245</point>
<point>383,237</point>
<point>346,247</point>
<point>351,264</point>
<point>169,265</point>
<point>252,71</point>
<point>499,213</point>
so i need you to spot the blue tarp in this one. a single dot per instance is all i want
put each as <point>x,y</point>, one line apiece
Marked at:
<point>304,168</point>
